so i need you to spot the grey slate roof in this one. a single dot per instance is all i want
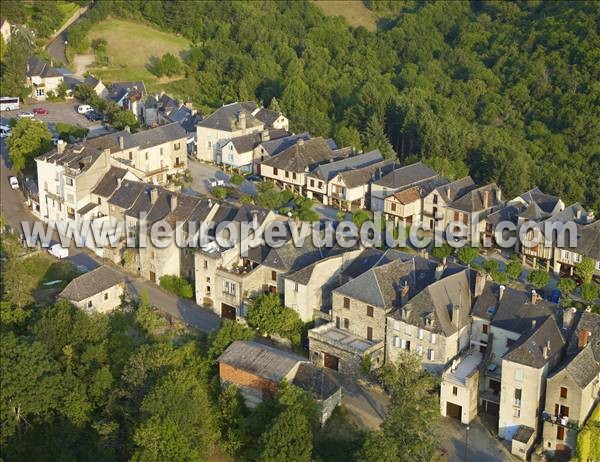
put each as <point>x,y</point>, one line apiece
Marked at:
<point>261,360</point>
<point>117,90</point>
<point>582,366</point>
<point>267,116</point>
<point>458,188</point>
<point>362,176</point>
<point>437,301</point>
<point>126,194</point>
<point>545,202</point>
<point>508,213</point>
<point>158,135</point>
<point>327,171</point>
<point>474,200</point>
<point>288,257</point>
<point>248,142</point>
<point>226,117</point>
<point>302,155</point>
<point>365,261</point>
<point>78,157</point>
<point>37,67</point>
<point>523,434</point>
<point>588,240</point>
<point>109,183</point>
<point>407,176</point>
<point>274,147</point>
<point>92,283</point>
<point>529,349</point>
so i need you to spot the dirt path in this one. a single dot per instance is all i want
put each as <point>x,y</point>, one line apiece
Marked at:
<point>81,62</point>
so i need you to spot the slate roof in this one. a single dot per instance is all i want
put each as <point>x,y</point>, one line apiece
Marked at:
<point>362,176</point>
<point>437,300</point>
<point>302,155</point>
<point>87,208</point>
<point>328,171</point>
<point>523,434</point>
<point>126,194</point>
<point>583,367</point>
<point>261,360</point>
<point>458,188</point>
<point>247,213</point>
<point>91,283</point>
<point>158,135</point>
<point>78,157</point>
<point>474,200</point>
<point>588,240</point>
<point>117,90</point>
<point>529,349</point>
<point>274,147</point>
<point>509,213</point>
<point>91,80</point>
<point>289,258</point>
<point>37,67</point>
<point>533,212</point>
<point>267,116</point>
<point>109,182</point>
<point>486,304</point>
<point>226,117</point>
<point>591,323</point>
<point>545,202</point>
<point>407,176</point>
<point>248,142</point>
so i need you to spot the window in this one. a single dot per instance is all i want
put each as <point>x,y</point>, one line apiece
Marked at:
<point>287,174</point>
<point>519,375</point>
<point>207,290</point>
<point>455,391</point>
<point>407,329</point>
<point>346,323</point>
<point>431,355</point>
<point>275,171</point>
<point>176,146</point>
<point>369,333</point>
<point>435,198</point>
<point>106,296</point>
<point>406,345</point>
<point>90,304</point>
<point>563,392</point>
<point>273,275</point>
<point>560,433</point>
<point>369,311</point>
<point>456,216</point>
<point>39,92</point>
<point>293,176</point>
<point>337,322</point>
<point>312,183</point>
<point>517,412</point>
<point>229,287</point>
<point>518,393</point>
<point>208,280</point>
<point>99,200</point>
<point>295,287</point>
<point>146,155</point>
<point>346,302</point>
<point>393,207</point>
<point>130,155</point>
<point>433,338</point>
<point>396,341</point>
<point>69,181</point>
<point>420,334</point>
<point>161,151</point>
<point>484,328</point>
<point>205,264</point>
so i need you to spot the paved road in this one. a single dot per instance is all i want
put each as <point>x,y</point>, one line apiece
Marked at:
<point>56,48</point>
<point>481,447</point>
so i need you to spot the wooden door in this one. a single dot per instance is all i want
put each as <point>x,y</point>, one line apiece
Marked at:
<point>152,276</point>
<point>227,311</point>
<point>331,362</point>
<point>454,410</point>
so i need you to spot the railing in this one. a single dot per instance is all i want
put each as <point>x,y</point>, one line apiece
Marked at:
<point>563,421</point>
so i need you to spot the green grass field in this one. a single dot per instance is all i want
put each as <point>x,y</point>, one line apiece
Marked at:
<point>355,12</point>
<point>130,48</point>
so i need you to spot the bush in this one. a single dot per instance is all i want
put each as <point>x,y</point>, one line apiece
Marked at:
<point>491,266</point>
<point>308,215</point>
<point>514,269</point>
<point>168,65</point>
<point>219,192</point>
<point>236,179</point>
<point>538,278</point>
<point>359,217</point>
<point>499,277</point>
<point>246,199</point>
<point>177,285</point>
<point>567,286</point>
<point>443,252</point>
<point>267,315</point>
<point>467,254</point>
<point>589,291</point>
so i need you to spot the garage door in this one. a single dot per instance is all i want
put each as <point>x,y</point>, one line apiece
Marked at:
<point>227,311</point>
<point>454,410</point>
<point>492,408</point>
<point>563,452</point>
<point>331,362</point>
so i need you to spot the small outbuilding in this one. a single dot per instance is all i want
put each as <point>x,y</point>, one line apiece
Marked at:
<point>100,290</point>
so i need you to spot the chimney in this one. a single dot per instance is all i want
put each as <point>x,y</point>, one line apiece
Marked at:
<point>568,317</point>
<point>121,142</point>
<point>173,202</point>
<point>119,180</point>
<point>501,290</point>
<point>405,313</point>
<point>448,194</point>
<point>486,199</point>
<point>582,338</point>
<point>242,120</point>
<point>456,315</point>
<point>265,136</point>
<point>404,293</point>
<point>480,279</point>
<point>60,146</point>
<point>546,349</point>
<point>534,297</point>
<point>439,270</point>
<point>578,214</point>
<point>127,129</point>
<point>533,324</point>
<point>498,194</point>
<point>153,195</point>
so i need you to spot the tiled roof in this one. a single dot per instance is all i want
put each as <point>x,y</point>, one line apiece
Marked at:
<point>328,171</point>
<point>226,117</point>
<point>91,283</point>
<point>582,366</point>
<point>516,312</point>
<point>248,142</point>
<point>78,157</point>
<point>407,176</point>
<point>302,155</point>
<point>126,194</point>
<point>37,67</point>
<point>267,116</point>
<point>274,147</point>
<point>109,182</point>
<point>362,176</point>
<point>407,196</point>
<point>529,349</point>
<point>456,189</point>
<point>545,202</point>
<point>474,200</point>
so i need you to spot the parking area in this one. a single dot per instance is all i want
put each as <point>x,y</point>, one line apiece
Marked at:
<point>204,174</point>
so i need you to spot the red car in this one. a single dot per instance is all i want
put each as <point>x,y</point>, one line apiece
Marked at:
<point>40,111</point>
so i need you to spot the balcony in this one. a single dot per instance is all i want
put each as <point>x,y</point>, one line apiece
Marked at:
<point>563,421</point>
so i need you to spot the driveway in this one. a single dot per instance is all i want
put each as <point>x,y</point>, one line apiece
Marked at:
<point>203,174</point>
<point>481,446</point>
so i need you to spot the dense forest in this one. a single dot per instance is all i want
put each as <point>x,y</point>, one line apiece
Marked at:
<point>505,91</point>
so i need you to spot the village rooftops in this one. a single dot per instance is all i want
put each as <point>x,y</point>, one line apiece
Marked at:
<point>330,170</point>
<point>77,157</point>
<point>276,146</point>
<point>127,193</point>
<point>247,143</point>
<point>464,367</point>
<point>479,199</point>
<point>232,117</point>
<point>454,190</point>
<point>343,339</point>
<point>302,156</point>
<point>545,202</point>
<point>109,183</point>
<point>406,176</point>
<point>537,346</point>
<point>91,283</point>
<point>362,176</point>
<point>37,67</point>
<point>267,116</point>
<point>118,90</point>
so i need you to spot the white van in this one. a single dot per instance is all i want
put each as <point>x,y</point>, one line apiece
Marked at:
<point>4,131</point>
<point>58,251</point>
<point>84,108</point>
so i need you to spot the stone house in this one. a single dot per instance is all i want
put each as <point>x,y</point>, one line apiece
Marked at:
<point>573,389</point>
<point>100,290</point>
<point>129,96</point>
<point>433,323</point>
<point>96,85</point>
<point>258,370</point>
<point>270,148</point>
<point>238,152</point>
<point>272,119</point>
<point>588,245</point>
<point>42,78</point>
<point>442,194</point>
<point>459,387</point>
<point>289,169</point>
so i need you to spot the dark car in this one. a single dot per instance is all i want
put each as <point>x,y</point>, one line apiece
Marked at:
<point>93,116</point>
<point>254,178</point>
<point>40,111</point>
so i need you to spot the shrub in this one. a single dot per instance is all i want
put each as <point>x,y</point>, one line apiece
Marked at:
<point>236,179</point>
<point>359,217</point>
<point>308,215</point>
<point>467,254</point>
<point>443,252</point>
<point>491,266</point>
<point>567,286</point>
<point>538,278</point>
<point>590,291</point>
<point>514,269</point>
<point>246,199</point>
<point>219,192</point>
<point>499,277</point>
<point>177,285</point>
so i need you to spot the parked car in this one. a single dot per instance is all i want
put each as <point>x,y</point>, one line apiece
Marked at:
<point>26,115</point>
<point>4,131</point>
<point>14,183</point>
<point>40,111</point>
<point>254,178</point>
<point>84,108</point>
<point>58,251</point>
<point>93,116</point>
